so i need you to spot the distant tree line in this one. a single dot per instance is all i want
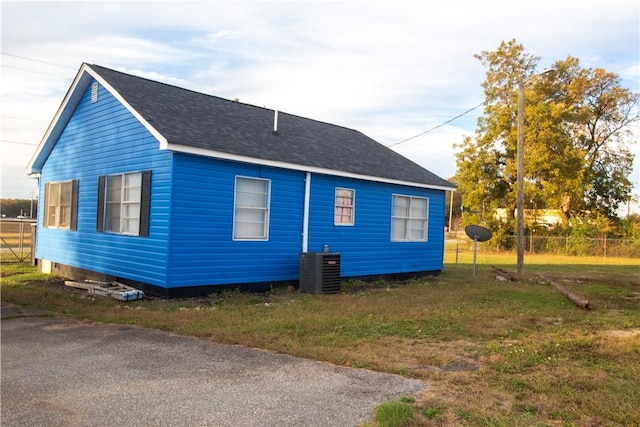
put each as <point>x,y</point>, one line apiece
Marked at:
<point>13,208</point>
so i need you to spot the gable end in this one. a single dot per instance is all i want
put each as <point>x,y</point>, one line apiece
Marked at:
<point>85,76</point>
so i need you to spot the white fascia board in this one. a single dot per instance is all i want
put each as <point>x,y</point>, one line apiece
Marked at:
<point>157,135</point>
<point>65,111</point>
<point>283,165</point>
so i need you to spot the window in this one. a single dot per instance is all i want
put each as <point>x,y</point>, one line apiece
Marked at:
<point>61,204</point>
<point>345,203</point>
<point>251,209</point>
<point>409,219</point>
<point>123,203</point>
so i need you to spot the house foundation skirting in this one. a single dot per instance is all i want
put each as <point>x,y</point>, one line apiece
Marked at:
<point>79,274</point>
<point>73,273</point>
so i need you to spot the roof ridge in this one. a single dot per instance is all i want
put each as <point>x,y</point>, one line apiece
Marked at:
<point>221,98</point>
<point>203,124</point>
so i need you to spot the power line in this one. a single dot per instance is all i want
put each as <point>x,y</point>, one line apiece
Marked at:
<point>36,60</point>
<point>19,142</point>
<point>22,118</point>
<point>33,71</point>
<point>440,125</point>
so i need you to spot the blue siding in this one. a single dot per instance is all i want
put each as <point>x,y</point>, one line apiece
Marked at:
<point>191,223</point>
<point>366,247</point>
<point>203,251</point>
<point>101,139</point>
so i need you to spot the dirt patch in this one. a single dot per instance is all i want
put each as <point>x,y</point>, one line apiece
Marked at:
<point>635,296</point>
<point>9,311</point>
<point>421,358</point>
<point>48,281</point>
<point>458,392</point>
<point>623,333</point>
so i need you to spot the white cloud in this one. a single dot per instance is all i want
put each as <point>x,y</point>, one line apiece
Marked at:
<point>389,69</point>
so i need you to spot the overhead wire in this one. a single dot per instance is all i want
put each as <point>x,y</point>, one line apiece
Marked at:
<point>4,116</point>
<point>13,67</point>
<point>36,60</point>
<point>30,71</point>
<point>389,146</point>
<point>439,126</point>
<point>33,71</point>
<point>18,142</point>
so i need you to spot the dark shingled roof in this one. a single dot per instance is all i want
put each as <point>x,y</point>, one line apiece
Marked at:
<point>207,122</point>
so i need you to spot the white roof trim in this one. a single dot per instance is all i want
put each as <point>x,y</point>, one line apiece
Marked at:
<point>157,135</point>
<point>291,166</point>
<point>66,110</point>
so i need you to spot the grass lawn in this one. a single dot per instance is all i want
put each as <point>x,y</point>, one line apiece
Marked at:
<point>492,353</point>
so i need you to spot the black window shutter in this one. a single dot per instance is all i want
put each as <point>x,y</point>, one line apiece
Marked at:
<point>45,216</point>
<point>100,209</point>
<point>74,205</point>
<point>145,204</point>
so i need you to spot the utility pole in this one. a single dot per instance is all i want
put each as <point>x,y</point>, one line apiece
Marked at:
<point>520,175</point>
<point>520,180</point>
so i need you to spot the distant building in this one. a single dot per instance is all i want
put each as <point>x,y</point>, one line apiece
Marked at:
<point>538,217</point>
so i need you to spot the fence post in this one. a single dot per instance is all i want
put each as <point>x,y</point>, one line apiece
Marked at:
<point>21,240</point>
<point>605,245</point>
<point>33,244</point>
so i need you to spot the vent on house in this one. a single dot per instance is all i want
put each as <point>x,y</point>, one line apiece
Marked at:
<point>319,272</point>
<point>275,122</point>
<point>94,92</point>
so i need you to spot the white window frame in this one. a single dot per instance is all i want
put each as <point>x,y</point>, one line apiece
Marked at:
<point>124,205</point>
<point>340,207</point>
<point>55,209</point>
<point>251,210</point>
<point>410,220</point>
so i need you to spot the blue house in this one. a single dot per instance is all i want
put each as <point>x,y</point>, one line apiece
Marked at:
<point>180,193</point>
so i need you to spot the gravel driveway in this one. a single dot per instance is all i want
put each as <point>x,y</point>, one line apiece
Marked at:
<point>61,372</point>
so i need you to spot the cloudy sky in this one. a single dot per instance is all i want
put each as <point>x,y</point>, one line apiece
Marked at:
<point>390,69</point>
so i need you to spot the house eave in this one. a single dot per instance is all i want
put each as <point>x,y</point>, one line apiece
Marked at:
<point>86,75</point>
<point>298,167</point>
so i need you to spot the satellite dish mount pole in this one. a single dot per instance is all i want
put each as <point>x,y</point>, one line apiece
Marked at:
<point>475,245</point>
<point>478,234</point>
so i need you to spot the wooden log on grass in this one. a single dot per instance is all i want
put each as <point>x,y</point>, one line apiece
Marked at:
<point>504,274</point>
<point>574,298</point>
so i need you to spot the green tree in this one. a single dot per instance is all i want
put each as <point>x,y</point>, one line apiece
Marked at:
<point>11,208</point>
<point>486,168</point>
<point>576,141</point>
<point>603,111</point>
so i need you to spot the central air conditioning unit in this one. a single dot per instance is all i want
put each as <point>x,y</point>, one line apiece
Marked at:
<point>319,272</point>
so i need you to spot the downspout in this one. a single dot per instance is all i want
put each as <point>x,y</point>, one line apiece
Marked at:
<point>305,214</point>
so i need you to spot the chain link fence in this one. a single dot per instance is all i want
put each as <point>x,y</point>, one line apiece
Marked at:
<point>17,238</point>
<point>554,245</point>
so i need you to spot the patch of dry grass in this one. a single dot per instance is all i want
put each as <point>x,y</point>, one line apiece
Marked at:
<point>492,353</point>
